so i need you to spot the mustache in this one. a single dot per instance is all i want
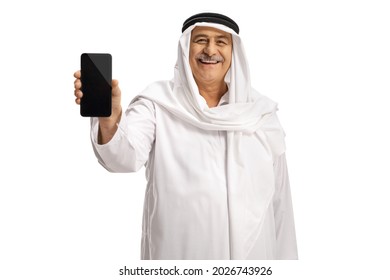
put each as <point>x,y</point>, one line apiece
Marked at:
<point>207,58</point>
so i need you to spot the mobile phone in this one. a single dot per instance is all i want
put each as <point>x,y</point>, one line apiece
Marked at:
<point>96,77</point>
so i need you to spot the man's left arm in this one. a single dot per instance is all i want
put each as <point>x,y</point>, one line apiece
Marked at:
<point>286,245</point>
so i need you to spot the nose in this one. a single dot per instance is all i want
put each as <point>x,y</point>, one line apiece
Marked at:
<point>210,49</point>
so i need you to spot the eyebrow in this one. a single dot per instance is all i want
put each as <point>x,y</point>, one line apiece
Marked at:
<point>207,36</point>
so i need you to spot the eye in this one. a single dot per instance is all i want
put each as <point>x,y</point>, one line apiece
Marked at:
<point>222,42</point>
<point>201,41</point>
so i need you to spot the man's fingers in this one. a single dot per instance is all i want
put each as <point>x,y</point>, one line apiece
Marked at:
<point>77,84</point>
<point>115,87</point>
<point>78,93</point>
<point>77,74</point>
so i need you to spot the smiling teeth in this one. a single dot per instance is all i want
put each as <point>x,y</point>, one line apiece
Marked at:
<point>209,61</point>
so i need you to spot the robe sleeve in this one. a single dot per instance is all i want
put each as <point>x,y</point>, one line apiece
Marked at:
<point>286,245</point>
<point>129,149</point>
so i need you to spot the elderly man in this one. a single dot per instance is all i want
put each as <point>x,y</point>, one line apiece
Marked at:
<point>213,148</point>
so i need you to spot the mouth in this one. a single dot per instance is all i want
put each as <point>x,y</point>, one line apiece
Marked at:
<point>208,61</point>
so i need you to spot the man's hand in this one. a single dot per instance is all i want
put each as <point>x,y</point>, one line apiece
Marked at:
<point>107,125</point>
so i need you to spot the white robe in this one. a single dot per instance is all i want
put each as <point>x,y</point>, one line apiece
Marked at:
<point>217,179</point>
<point>186,210</point>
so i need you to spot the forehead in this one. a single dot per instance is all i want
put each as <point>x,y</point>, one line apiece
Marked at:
<point>209,32</point>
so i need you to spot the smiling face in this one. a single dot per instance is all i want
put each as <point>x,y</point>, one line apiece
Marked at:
<point>210,54</point>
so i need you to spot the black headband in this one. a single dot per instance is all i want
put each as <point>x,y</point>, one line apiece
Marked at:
<point>211,17</point>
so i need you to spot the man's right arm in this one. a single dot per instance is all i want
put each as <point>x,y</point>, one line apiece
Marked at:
<point>129,148</point>
<point>107,125</point>
<point>122,142</point>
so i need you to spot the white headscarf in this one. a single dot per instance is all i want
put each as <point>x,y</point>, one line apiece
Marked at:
<point>248,112</point>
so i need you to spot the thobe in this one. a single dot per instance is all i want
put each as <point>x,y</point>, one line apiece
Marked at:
<point>186,211</point>
<point>217,182</point>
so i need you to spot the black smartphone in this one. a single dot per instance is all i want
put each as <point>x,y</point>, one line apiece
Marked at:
<point>96,77</point>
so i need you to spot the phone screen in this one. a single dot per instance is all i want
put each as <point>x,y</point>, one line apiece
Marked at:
<point>96,76</point>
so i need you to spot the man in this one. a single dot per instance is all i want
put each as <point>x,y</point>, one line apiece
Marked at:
<point>213,148</point>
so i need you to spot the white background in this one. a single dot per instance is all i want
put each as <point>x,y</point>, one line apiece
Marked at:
<point>327,64</point>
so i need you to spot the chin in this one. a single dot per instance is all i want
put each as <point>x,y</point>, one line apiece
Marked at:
<point>208,79</point>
